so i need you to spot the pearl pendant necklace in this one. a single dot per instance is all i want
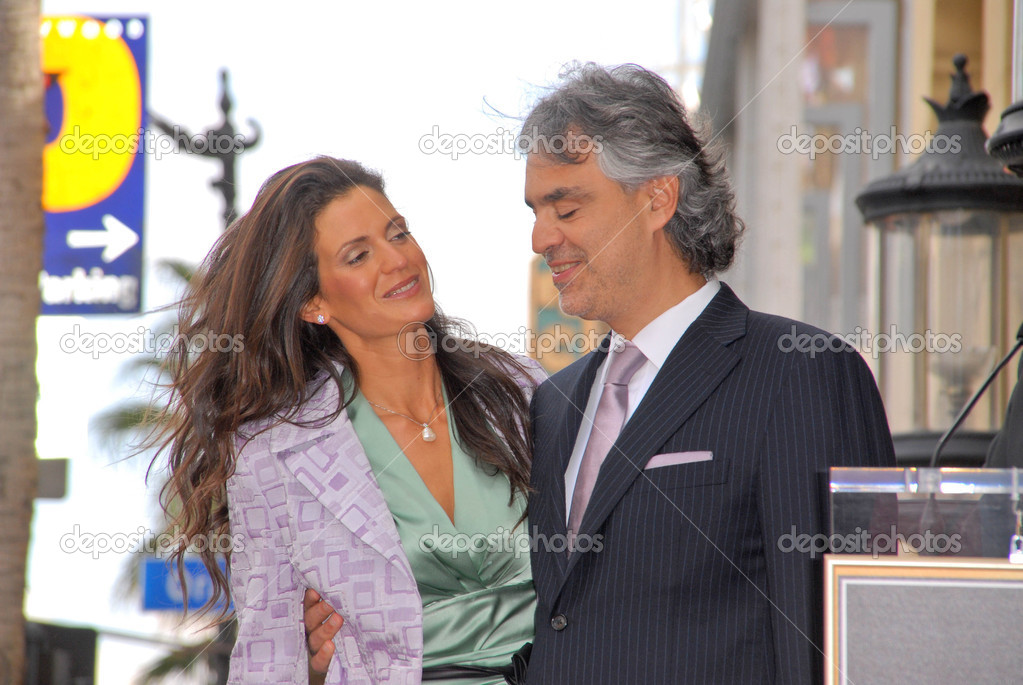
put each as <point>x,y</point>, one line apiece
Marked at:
<point>428,434</point>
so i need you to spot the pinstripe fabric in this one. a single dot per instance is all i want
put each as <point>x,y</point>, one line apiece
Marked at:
<point>689,585</point>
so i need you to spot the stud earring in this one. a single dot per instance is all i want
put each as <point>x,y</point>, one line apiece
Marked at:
<point>320,320</point>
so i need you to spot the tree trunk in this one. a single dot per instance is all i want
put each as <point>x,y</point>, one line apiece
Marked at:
<point>21,234</point>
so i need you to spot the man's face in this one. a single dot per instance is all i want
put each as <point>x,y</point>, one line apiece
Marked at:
<point>591,232</point>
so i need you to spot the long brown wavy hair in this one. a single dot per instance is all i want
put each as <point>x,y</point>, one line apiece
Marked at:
<point>250,290</point>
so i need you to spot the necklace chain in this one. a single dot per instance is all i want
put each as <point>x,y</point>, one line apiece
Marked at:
<point>428,433</point>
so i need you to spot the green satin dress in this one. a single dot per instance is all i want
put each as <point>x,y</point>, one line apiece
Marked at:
<point>474,576</point>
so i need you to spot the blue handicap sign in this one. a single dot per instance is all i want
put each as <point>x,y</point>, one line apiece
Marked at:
<point>161,587</point>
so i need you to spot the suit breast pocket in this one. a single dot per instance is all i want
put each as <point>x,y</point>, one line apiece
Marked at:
<point>685,475</point>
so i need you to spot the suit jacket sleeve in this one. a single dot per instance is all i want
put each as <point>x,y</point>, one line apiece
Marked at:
<point>828,413</point>
<point>267,596</point>
<point>1006,449</point>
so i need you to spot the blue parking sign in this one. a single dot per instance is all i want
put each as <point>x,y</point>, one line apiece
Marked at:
<point>94,164</point>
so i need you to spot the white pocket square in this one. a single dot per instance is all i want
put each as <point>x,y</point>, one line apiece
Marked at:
<point>675,458</point>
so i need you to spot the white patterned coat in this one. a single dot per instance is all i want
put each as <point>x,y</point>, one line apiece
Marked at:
<point>308,512</point>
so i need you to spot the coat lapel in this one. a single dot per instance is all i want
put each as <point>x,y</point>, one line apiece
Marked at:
<point>568,405</point>
<point>697,365</point>
<point>328,459</point>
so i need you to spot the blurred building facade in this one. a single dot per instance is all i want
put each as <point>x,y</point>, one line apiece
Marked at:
<point>813,100</point>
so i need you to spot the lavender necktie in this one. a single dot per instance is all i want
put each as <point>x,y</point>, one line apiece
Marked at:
<point>607,424</point>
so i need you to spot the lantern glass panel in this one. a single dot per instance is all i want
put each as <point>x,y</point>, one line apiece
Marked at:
<point>961,324</point>
<point>901,304</point>
<point>947,300</point>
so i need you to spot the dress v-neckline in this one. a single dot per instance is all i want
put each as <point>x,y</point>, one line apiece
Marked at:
<point>402,461</point>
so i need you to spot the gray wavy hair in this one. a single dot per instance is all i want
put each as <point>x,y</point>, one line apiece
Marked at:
<point>637,126</point>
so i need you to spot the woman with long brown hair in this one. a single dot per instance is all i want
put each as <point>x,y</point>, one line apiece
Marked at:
<point>352,441</point>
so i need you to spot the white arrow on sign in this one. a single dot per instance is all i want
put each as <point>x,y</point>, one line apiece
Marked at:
<point>115,238</point>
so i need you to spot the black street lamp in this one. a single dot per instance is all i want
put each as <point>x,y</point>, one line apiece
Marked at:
<point>1006,144</point>
<point>946,269</point>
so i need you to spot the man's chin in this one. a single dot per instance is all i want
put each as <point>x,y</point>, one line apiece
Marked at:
<point>572,306</point>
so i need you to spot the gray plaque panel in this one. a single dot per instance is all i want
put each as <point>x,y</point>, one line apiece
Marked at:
<point>906,631</point>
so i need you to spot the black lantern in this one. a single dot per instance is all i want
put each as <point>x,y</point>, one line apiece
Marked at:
<point>946,269</point>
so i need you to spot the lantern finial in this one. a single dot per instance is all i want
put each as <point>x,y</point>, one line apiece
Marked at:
<point>963,103</point>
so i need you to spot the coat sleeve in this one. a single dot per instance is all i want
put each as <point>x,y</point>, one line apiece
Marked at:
<point>827,413</point>
<point>267,596</point>
<point>535,372</point>
<point>1006,449</point>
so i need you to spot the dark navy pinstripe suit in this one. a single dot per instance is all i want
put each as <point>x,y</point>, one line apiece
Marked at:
<point>690,585</point>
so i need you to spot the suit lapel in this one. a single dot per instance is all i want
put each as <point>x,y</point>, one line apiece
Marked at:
<point>330,462</point>
<point>567,406</point>
<point>697,365</point>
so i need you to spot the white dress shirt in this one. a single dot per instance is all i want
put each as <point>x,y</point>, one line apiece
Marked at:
<point>655,341</point>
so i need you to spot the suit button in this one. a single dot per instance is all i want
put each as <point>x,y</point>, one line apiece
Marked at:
<point>559,622</point>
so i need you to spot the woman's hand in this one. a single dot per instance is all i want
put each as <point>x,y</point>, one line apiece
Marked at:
<point>321,625</point>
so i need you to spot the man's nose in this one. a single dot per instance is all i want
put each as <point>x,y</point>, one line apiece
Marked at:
<point>546,234</point>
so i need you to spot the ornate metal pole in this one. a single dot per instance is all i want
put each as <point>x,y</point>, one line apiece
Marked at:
<point>222,143</point>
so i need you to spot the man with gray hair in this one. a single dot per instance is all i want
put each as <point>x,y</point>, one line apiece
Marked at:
<point>679,471</point>
<point>671,463</point>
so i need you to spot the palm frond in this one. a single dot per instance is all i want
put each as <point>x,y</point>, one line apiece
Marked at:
<point>131,418</point>
<point>213,655</point>
<point>182,270</point>
<point>183,661</point>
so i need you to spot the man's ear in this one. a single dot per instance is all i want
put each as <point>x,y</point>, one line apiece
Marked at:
<point>313,310</point>
<point>663,197</point>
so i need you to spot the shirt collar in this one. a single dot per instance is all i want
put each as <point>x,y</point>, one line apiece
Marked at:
<point>658,338</point>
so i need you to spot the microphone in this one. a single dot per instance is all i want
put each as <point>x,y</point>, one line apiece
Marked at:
<point>976,396</point>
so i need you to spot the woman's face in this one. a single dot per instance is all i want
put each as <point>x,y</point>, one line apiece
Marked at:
<point>373,276</point>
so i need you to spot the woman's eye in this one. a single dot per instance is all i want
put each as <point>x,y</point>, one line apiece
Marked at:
<point>401,235</point>
<point>358,257</point>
